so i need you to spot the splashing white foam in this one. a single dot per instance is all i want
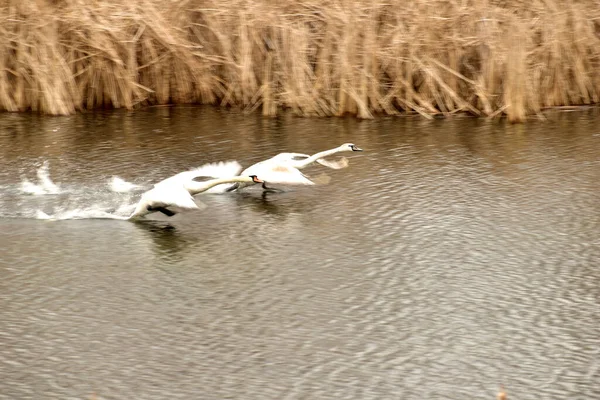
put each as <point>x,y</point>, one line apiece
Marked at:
<point>100,202</point>
<point>119,185</point>
<point>28,187</point>
<point>45,184</point>
<point>80,214</point>
<point>42,215</point>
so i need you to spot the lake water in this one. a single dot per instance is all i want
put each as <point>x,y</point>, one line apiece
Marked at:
<point>449,258</point>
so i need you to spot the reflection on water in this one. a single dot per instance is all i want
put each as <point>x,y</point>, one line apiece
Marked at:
<point>452,256</point>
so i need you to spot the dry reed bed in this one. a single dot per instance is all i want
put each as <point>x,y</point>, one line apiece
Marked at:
<point>320,58</point>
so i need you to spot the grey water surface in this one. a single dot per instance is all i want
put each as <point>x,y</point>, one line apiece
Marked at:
<point>451,257</point>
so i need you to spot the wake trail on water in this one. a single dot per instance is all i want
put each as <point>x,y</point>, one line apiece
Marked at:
<point>44,185</point>
<point>115,198</point>
<point>43,199</point>
<point>79,214</point>
<point>119,185</point>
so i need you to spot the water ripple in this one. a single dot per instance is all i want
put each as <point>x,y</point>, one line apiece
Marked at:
<point>446,260</point>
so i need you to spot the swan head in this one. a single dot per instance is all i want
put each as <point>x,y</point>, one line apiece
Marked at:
<point>350,147</point>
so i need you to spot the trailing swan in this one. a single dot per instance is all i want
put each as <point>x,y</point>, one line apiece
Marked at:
<point>178,192</point>
<point>284,168</point>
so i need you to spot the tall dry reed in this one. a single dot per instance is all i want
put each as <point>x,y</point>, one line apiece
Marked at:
<point>316,57</point>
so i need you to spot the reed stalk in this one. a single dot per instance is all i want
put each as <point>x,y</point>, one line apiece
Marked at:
<point>318,58</point>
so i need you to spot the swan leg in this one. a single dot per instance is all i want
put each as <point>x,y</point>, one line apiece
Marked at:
<point>232,188</point>
<point>270,190</point>
<point>163,210</point>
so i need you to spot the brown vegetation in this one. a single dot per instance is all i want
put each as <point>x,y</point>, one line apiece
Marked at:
<point>317,57</point>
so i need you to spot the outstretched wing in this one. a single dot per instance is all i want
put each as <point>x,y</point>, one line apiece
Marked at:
<point>294,159</point>
<point>218,170</point>
<point>209,171</point>
<point>342,163</point>
<point>290,157</point>
<point>202,178</point>
<point>282,174</point>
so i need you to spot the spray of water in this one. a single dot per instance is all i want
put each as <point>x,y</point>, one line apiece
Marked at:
<point>116,199</point>
<point>44,185</point>
<point>119,185</point>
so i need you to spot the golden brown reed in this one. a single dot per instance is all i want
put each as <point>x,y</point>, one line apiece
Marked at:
<point>317,57</point>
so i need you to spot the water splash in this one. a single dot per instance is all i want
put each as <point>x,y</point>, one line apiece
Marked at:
<point>119,185</point>
<point>45,184</point>
<point>28,187</point>
<point>113,199</point>
<point>91,213</point>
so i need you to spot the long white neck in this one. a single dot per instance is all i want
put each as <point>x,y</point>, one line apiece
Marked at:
<point>194,187</point>
<point>316,156</point>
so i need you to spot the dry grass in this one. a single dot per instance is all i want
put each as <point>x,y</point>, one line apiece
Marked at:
<point>317,57</point>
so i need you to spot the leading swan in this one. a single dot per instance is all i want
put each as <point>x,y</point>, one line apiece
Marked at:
<point>284,168</point>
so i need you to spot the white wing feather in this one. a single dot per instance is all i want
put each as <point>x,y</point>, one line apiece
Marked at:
<point>342,163</point>
<point>274,172</point>
<point>294,159</point>
<point>214,170</point>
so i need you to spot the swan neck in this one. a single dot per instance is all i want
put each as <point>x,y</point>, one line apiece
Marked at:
<point>198,187</point>
<point>318,155</point>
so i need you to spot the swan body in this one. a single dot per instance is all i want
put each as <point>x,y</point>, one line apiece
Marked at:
<point>284,168</point>
<point>178,193</point>
<point>161,197</point>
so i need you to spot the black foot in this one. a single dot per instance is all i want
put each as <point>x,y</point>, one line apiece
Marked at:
<point>232,188</point>
<point>270,190</point>
<point>163,210</point>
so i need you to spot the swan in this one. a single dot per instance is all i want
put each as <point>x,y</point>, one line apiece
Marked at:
<point>284,168</point>
<point>179,193</point>
<point>177,190</point>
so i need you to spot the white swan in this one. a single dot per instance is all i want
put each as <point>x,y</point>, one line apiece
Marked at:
<point>178,193</point>
<point>284,168</point>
